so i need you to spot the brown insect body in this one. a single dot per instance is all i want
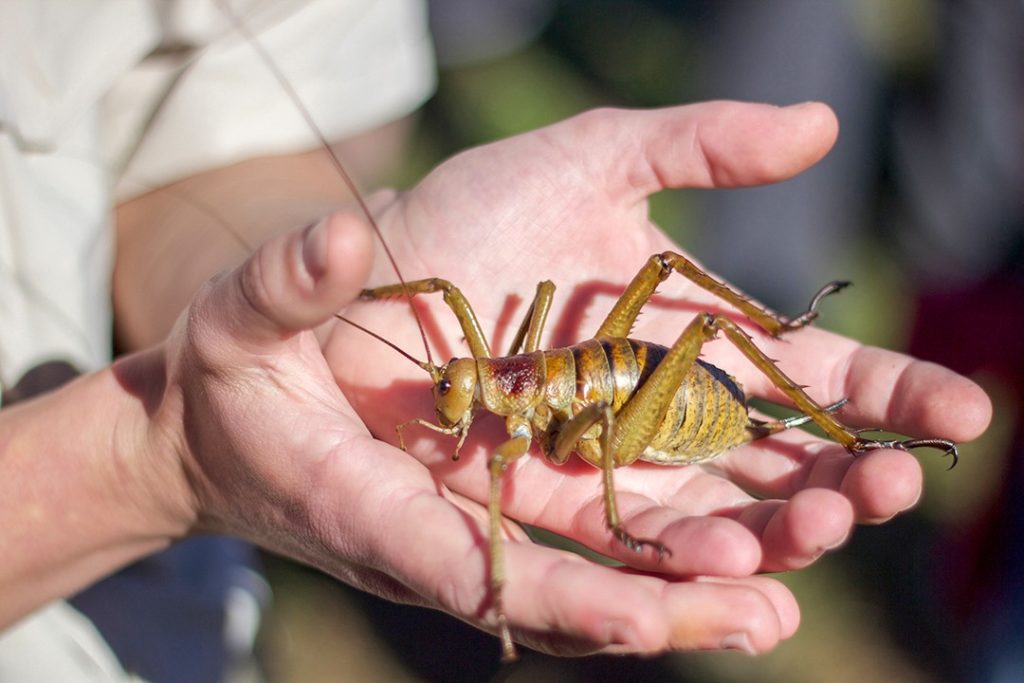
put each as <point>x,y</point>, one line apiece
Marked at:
<point>707,415</point>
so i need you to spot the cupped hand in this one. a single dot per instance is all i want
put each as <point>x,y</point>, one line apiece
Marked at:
<point>569,203</point>
<point>271,450</point>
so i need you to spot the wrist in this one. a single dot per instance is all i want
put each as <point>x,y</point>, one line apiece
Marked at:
<point>147,447</point>
<point>88,485</point>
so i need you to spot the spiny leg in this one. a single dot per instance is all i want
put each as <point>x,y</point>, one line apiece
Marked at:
<point>453,297</point>
<point>657,269</point>
<point>638,419</point>
<point>504,455</point>
<point>533,324</point>
<point>822,417</point>
<point>945,445</point>
<point>570,438</point>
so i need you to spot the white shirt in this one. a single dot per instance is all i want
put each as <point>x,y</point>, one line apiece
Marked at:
<point>103,99</point>
<point>89,115</point>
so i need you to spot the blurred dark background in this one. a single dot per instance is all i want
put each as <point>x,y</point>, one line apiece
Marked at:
<point>920,204</point>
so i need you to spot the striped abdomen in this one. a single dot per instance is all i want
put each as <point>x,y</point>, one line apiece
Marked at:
<point>706,416</point>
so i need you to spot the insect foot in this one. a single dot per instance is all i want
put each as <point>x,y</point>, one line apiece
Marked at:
<point>637,544</point>
<point>811,314</point>
<point>863,445</point>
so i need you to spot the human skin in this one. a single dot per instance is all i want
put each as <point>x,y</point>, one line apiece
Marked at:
<point>244,421</point>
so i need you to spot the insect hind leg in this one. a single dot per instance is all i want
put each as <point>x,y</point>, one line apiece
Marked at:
<point>823,417</point>
<point>658,268</point>
<point>569,439</point>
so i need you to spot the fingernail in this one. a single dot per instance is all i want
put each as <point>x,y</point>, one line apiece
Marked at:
<point>738,641</point>
<point>314,249</point>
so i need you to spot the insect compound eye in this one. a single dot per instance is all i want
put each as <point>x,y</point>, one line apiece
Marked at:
<point>443,387</point>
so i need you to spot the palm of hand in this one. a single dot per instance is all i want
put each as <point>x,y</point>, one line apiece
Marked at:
<point>549,204</point>
<point>371,515</point>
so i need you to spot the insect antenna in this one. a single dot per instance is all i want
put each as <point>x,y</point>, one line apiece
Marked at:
<point>343,174</point>
<point>428,366</point>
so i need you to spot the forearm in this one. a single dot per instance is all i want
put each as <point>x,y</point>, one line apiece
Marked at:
<point>171,240</point>
<point>87,484</point>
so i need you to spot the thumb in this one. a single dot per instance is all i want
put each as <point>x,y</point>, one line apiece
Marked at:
<point>709,144</point>
<point>295,281</point>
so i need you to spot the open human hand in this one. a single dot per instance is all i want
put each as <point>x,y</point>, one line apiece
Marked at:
<point>273,450</point>
<point>569,203</point>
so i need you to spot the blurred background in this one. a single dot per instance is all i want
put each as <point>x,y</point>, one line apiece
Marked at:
<point>920,204</point>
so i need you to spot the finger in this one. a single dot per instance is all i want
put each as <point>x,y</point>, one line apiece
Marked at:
<point>783,601</point>
<point>711,144</point>
<point>666,505</point>
<point>740,537</point>
<point>796,532</point>
<point>710,524</point>
<point>882,484</point>
<point>885,389</point>
<point>694,544</point>
<point>555,600</point>
<point>913,396</point>
<point>294,282</point>
<point>563,604</point>
<point>878,484</point>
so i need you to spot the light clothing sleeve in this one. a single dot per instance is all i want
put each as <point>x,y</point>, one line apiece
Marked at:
<point>101,100</point>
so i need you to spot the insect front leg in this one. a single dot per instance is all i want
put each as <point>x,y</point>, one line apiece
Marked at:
<point>453,297</point>
<point>657,269</point>
<point>459,430</point>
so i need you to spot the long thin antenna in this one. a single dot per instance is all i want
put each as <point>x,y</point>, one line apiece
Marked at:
<point>214,215</point>
<point>428,366</point>
<point>335,161</point>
